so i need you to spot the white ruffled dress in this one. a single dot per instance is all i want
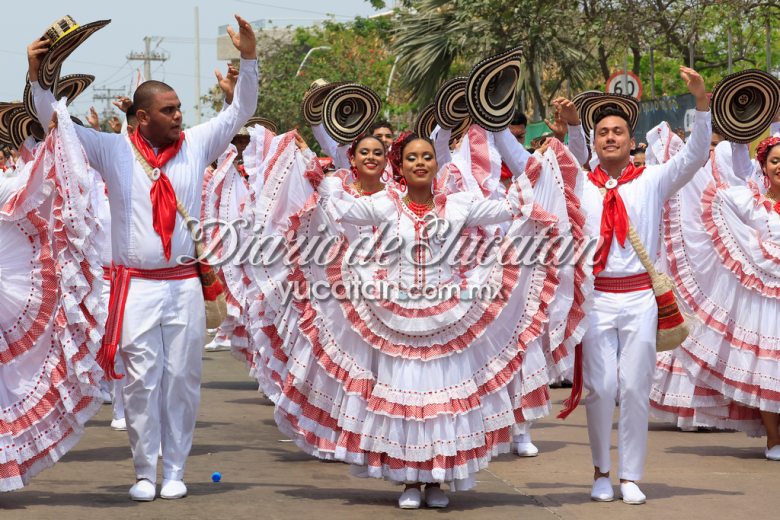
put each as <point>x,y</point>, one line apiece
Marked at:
<point>51,310</point>
<point>403,389</point>
<point>722,242</point>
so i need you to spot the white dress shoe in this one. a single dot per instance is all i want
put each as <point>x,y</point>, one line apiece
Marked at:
<point>106,397</point>
<point>689,428</point>
<point>119,425</point>
<point>632,494</point>
<point>143,491</point>
<point>773,454</point>
<point>435,497</point>
<point>602,490</point>
<point>525,449</point>
<point>173,489</point>
<point>410,499</point>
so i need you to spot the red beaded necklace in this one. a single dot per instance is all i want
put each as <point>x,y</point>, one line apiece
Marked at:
<point>418,209</point>
<point>362,192</point>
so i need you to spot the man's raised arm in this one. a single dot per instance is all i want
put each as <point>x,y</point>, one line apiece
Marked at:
<point>95,144</point>
<point>677,172</point>
<point>215,135</point>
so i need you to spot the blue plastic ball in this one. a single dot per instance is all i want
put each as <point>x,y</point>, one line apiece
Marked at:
<point>216,477</point>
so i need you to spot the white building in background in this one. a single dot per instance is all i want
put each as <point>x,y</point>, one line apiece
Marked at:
<point>277,28</point>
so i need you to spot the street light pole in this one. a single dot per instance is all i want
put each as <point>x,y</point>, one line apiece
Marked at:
<point>307,57</point>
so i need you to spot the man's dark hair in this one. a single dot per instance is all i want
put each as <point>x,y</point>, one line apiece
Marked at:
<point>382,123</point>
<point>519,119</point>
<point>145,93</point>
<point>607,112</point>
<point>131,111</point>
<point>638,150</point>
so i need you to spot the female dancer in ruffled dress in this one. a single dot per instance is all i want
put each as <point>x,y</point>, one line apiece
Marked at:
<point>415,390</point>
<point>722,238</point>
<point>52,310</point>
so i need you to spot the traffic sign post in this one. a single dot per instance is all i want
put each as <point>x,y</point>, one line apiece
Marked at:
<point>633,87</point>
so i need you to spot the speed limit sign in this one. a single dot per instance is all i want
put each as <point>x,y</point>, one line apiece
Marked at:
<point>615,84</point>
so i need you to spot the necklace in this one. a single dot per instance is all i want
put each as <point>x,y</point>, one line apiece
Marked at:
<point>775,203</point>
<point>419,209</point>
<point>362,192</point>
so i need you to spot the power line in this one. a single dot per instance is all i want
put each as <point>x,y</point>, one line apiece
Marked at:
<point>291,9</point>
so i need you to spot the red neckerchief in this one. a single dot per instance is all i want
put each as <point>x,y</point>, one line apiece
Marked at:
<point>162,194</point>
<point>614,218</point>
<point>506,173</point>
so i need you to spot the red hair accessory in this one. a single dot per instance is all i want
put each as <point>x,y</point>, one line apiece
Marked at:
<point>763,149</point>
<point>397,149</point>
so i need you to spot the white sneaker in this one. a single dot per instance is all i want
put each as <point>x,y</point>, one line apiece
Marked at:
<point>689,428</point>
<point>773,454</point>
<point>435,497</point>
<point>602,490</point>
<point>409,499</point>
<point>525,449</point>
<point>143,491</point>
<point>173,489</point>
<point>214,347</point>
<point>159,453</point>
<point>119,425</point>
<point>632,494</point>
<point>106,397</point>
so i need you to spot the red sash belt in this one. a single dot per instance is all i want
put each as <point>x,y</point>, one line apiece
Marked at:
<point>638,282</point>
<point>106,273</point>
<point>120,282</point>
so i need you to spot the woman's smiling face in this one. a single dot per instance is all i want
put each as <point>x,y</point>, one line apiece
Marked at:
<point>370,158</point>
<point>419,163</point>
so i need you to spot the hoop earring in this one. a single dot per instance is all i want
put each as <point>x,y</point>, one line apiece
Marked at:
<point>402,184</point>
<point>385,177</point>
<point>766,182</point>
<point>355,174</point>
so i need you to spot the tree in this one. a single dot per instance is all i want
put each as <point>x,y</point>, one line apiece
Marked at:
<point>358,53</point>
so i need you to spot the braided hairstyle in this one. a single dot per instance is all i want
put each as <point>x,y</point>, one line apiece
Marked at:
<point>762,152</point>
<point>397,151</point>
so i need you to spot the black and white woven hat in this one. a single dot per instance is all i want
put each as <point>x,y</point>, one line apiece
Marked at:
<point>22,126</point>
<point>590,103</point>
<point>426,122</point>
<point>5,121</point>
<point>743,105</point>
<point>460,130</point>
<point>65,35</point>
<point>450,103</point>
<point>349,110</point>
<point>69,86</point>
<point>491,90</point>
<point>315,97</point>
<point>267,123</point>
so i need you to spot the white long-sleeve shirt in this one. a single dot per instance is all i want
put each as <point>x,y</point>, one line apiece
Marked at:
<point>333,149</point>
<point>135,243</point>
<point>644,198</point>
<point>516,156</point>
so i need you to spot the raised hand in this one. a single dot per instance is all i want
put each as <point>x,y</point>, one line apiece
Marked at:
<point>123,103</point>
<point>53,123</point>
<point>93,119</point>
<point>302,146</point>
<point>558,127</point>
<point>244,41</point>
<point>567,111</point>
<point>228,83</point>
<point>695,84</point>
<point>116,124</point>
<point>35,53</point>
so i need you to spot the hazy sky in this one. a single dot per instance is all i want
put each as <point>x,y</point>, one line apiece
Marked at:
<point>104,54</point>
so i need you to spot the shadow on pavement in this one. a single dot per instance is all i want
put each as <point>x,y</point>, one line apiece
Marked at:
<point>103,454</point>
<point>231,385</point>
<point>262,401</point>
<point>652,490</point>
<point>720,451</point>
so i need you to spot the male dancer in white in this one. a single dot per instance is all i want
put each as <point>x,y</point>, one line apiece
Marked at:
<point>163,328</point>
<point>618,350</point>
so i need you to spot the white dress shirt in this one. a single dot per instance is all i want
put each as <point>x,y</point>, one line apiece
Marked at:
<point>135,243</point>
<point>644,198</point>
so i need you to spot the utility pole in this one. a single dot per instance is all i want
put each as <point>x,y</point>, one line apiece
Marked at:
<point>108,95</point>
<point>147,57</point>
<point>652,75</point>
<point>197,68</point>
<point>768,46</point>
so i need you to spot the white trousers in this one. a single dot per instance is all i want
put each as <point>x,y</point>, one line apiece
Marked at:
<point>163,333</point>
<point>618,360</point>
